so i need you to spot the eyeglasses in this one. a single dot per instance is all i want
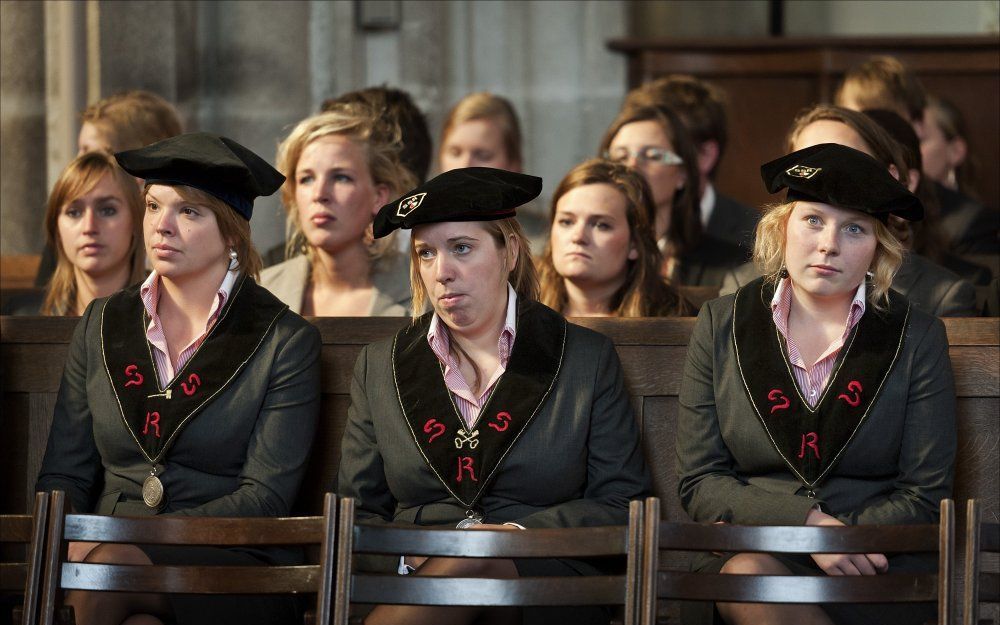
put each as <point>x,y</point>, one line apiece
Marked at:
<point>647,154</point>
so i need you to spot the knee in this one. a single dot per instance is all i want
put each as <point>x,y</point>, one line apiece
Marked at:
<point>111,553</point>
<point>754,564</point>
<point>474,567</point>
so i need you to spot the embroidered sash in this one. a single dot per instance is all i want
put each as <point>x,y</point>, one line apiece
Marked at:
<point>467,461</point>
<point>812,439</point>
<point>155,416</point>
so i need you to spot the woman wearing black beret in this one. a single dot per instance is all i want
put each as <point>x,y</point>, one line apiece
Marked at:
<point>195,393</point>
<point>490,411</point>
<point>816,395</point>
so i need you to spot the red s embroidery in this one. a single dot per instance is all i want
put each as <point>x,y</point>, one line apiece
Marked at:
<point>195,383</point>
<point>465,464</point>
<point>134,377</point>
<point>437,428</point>
<point>809,440</point>
<point>855,401</point>
<point>777,395</point>
<point>502,419</point>
<point>152,419</point>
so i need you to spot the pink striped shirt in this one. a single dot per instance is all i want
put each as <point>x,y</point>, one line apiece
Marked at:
<point>812,379</point>
<point>466,401</point>
<point>150,294</point>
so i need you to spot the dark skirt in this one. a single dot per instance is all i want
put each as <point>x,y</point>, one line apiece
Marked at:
<point>228,609</point>
<point>565,615</point>
<point>704,613</point>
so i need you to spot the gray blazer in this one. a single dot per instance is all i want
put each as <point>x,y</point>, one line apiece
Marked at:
<point>243,455</point>
<point>929,287</point>
<point>896,469</point>
<point>390,279</point>
<point>578,463</point>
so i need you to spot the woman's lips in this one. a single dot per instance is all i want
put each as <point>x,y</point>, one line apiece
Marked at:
<point>91,248</point>
<point>825,270</point>
<point>321,219</point>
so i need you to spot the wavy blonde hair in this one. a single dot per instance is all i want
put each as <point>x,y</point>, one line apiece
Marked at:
<point>79,177</point>
<point>378,134</point>
<point>769,252</point>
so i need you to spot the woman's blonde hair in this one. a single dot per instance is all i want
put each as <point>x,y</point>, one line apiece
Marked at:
<point>684,231</point>
<point>772,237</point>
<point>360,122</point>
<point>79,177</point>
<point>234,229</point>
<point>644,292</point>
<point>485,105</point>
<point>133,119</point>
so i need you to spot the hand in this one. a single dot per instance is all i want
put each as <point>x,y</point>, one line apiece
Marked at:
<point>493,526</point>
<point>845,563</point>
<point>78,551</point>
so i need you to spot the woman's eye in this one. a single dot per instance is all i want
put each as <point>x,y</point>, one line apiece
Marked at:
<point>812,220</point>
<point>425,254</point>
<point>462,248</point>
<point>454,152</point>
<point>564,222</point>
<point>189,211</point>
<point>855,229</point>
<point>602,225</point>
<point>108,211</point>
<point>304,179</point>
<point>152,207</point>
<point>73,212</point>
<point>484,156</point>
<point>342,178</point>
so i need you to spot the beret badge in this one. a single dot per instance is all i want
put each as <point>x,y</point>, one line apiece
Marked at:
<point>801,171</point>
<point>410,204</point>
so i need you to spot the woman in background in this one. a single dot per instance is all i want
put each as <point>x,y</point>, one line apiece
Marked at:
<point>341,166</point>
<point>653,141</point>
<point>602,259</point>
<point>482,130</point>
<point>93,221</point>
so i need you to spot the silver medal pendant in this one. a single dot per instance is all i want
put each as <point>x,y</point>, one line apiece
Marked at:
<point>152,491</point>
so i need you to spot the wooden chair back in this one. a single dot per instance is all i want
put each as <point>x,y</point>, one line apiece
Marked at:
<point>359,587</point>
<point>23,576</point>
<point>61,575</point>
<point>980,537</point>
<point>887,588</point>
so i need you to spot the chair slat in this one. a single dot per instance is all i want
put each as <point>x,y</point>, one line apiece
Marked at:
<point>989,586</point>
<point>15,528</point>
<point>194,530</point>
<point>12,576</point>
<point>524,591</point>
<point>547,543</point>
<point>798,589</point>
<point>209,580</point>
<point>799,539</point>
<point>989,537</point>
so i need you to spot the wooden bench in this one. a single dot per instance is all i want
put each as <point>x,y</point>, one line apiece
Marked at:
<point>33,350</point>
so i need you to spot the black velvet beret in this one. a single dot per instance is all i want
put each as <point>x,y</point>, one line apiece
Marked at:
<point>469,194</point>
<point>844,177</point>
<point>214,164</point>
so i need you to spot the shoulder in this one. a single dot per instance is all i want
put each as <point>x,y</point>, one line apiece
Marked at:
<point>933,288</point>
<point>715,251</point>
<point>26,303</point>
<point>391,279</point>
<point>295,267</point>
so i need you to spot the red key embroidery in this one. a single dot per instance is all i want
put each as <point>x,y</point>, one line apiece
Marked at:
<point>809,440</point>
<point>195,383</point>
<point>465,464</point>
<point>855,401</point>
<point>502,419</point>
<point>134,377</point>
<point>152,419</point>
<point>777,395</point>
<point>437,428</point>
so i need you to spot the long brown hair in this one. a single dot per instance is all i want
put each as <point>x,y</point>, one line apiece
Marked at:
<point>644,292</point>
<point>684,231</point>
<point>79,177</point>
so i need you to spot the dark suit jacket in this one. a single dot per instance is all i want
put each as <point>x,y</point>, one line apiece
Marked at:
<point>971,227</point>
<point>896,469</point>
<point>578,463</point>
<point>732,221</point>
<point>709,263</point>
<point>929,287</point>
<point>243,455</point>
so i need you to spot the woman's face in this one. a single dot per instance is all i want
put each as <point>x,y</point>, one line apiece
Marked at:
<point>828,249</point>
<point>465,274</point>
<point>476,143</point>
<point>590,238</point>
<point>335,195</point>
<point>634,139</point>
<point>182,238</point>
<point>96,229</point>
<point>92,139</point>
<point>940,156</point>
